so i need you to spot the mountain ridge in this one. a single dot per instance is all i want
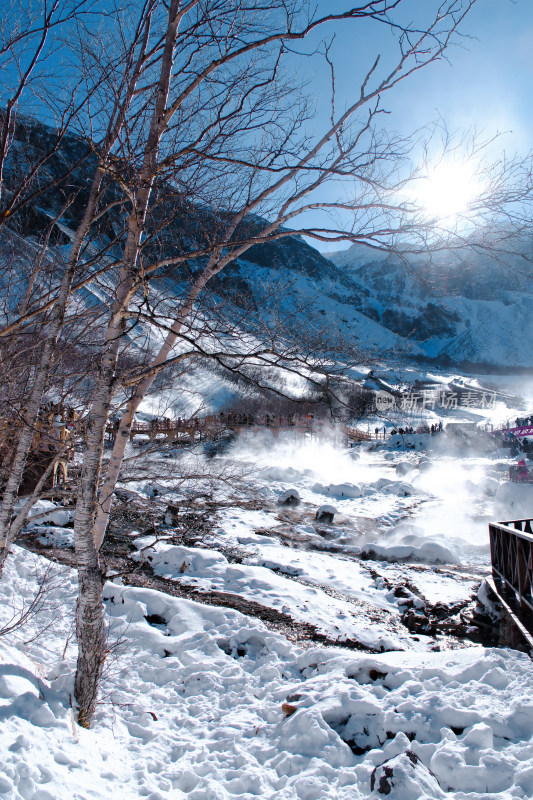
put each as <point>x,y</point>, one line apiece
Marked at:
<point>452,308</point>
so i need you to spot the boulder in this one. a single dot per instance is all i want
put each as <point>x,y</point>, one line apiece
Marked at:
<point>281,474</point>
<point>289,498</point>
<point>405,777</point>
<point>400,489</point>
<point>345,490</point>
<point>325,514</point>
<point>403,468</point>
<point>426,551</point>
<point>44,512</point>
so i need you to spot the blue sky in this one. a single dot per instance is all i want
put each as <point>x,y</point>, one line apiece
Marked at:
<point>486,83</point>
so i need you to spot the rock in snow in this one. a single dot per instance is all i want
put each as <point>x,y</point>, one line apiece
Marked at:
<point>44,512</point>
<point>404,467</point>
<point>289,498</point>
<point>405,777</point>
<point>428,551</point>
<point>341,491</point>
<point>325,514</point>
<point>345,490</point>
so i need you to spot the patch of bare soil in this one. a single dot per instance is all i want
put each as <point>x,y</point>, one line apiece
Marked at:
<point>193,521</point>
<point>133,574</point>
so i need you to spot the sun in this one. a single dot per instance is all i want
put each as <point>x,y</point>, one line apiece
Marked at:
<point>448,191</point>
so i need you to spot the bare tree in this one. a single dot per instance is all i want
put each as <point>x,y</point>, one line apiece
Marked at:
<point>31,37</point>
<point>203,148</point>
<point>222,125</point>
<point>134,60</point>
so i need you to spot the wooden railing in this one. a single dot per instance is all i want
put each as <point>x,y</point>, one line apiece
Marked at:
<point>511,550</point>
<point>358,435</point>
<point>210,425</point>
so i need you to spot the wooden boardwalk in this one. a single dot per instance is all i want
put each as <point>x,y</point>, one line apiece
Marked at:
<point>209,427</point>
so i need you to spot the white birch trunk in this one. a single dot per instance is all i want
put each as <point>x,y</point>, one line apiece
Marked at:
<point>90,620</point>
<point>32,408</point>
<point>31,411</point>
<point>90,630</point>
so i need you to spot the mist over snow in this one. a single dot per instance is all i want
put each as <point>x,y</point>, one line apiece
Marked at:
<point>301,659</point>
<point>289,616</point>
<point>202,701</point>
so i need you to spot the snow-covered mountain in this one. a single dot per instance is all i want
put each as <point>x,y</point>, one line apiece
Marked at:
<point>458,307</point>
<point>461,309</point>
<point>455,309</point>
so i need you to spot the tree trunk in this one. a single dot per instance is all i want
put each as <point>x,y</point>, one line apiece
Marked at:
<point>90,631</point>
<point>89,667</point>
<point>90,625</point>
<point>31,411</point>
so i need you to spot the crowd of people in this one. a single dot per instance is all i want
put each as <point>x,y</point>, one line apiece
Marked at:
<point>437,427</point>
<point>521,422</point>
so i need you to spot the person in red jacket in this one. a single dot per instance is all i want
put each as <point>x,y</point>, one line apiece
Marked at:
<point>521,471</point>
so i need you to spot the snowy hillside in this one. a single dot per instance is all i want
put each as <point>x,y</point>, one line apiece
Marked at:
<point>352,674</point>
<point>205,703</point>
<point>459,308</point>
<point>469,308</point>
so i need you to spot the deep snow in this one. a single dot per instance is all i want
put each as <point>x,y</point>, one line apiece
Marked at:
<point>208,704</point>
<point>205,703</point>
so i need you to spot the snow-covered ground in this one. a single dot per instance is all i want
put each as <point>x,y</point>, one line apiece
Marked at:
<point>205,703</point>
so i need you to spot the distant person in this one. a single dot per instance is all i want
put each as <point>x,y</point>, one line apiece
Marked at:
<point>521,471</point>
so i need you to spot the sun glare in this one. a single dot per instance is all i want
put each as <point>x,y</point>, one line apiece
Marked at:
<point>448,190</point>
